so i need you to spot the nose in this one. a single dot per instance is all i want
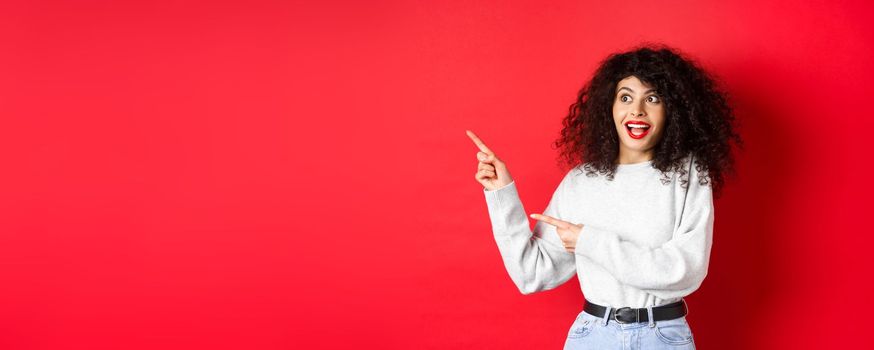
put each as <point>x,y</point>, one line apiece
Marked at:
<point>636,110</point>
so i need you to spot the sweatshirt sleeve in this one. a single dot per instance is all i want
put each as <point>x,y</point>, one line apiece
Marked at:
<point>536,261</point>
<point>674,269</point>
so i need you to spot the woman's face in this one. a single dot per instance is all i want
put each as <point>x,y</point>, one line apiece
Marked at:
<point>636,105</point>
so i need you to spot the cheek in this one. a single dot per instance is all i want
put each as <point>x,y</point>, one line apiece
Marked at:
<point>617,115</point>
<point>617,110</point>
<point>660,119</point>
<point>660,133</point>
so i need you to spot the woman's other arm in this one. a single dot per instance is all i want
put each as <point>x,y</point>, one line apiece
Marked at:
<point>674,269</point>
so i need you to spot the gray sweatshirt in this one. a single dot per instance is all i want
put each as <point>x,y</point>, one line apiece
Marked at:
<point>644,242</point>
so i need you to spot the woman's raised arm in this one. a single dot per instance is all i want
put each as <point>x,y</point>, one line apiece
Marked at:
<point>537,260</point>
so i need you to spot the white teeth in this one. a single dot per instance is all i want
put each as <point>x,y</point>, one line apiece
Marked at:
<point>637,125</point>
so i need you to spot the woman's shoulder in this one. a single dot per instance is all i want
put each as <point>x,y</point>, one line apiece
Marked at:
<point>576,173</point>
<point>579,176</point>
<point>696,179</point>
<point>584,169</point>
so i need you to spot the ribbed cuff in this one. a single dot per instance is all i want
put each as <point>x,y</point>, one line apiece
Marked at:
<point>501,203</point>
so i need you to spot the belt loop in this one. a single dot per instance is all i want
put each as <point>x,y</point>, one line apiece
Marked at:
<point>651,318</point>
<point>606,316</point>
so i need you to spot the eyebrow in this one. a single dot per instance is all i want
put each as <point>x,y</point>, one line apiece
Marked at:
<point>632,91</point>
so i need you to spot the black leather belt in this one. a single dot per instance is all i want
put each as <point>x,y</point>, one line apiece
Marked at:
<point>629,315</point>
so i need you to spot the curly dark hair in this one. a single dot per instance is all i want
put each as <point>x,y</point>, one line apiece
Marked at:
<point>699,122</point>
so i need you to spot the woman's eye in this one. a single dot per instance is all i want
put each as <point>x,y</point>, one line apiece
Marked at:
<point>655,98</point>
<point>622,98</point>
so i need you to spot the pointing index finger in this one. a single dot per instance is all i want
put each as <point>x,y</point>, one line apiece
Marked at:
<point>551,220</point>
<point>479,143</point>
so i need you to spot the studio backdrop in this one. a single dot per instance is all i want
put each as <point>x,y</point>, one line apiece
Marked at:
<point>296,175</point>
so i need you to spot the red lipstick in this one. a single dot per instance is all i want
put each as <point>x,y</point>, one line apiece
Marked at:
<point>636,124</point>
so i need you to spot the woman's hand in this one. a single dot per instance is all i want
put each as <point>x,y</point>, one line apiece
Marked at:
<point>568,232</point>
<point>491,172</point>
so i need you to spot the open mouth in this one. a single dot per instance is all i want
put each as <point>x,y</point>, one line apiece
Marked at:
<point>637,130</point>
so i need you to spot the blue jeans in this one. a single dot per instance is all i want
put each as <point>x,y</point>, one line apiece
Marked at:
<point>591,332</point>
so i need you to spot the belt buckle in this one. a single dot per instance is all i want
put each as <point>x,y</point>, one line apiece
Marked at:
<point>617,311</point>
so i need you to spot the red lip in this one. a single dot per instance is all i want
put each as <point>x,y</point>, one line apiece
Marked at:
<point>645,132</point>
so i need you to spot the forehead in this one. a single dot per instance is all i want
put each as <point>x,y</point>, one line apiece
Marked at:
<point>633,83</point>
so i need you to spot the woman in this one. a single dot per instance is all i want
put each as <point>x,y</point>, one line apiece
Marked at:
<point>647,141</point>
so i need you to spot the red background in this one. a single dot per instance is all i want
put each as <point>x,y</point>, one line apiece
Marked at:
<point>274,175</point>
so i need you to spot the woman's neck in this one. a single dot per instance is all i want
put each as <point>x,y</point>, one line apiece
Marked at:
<point>634,157</point>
